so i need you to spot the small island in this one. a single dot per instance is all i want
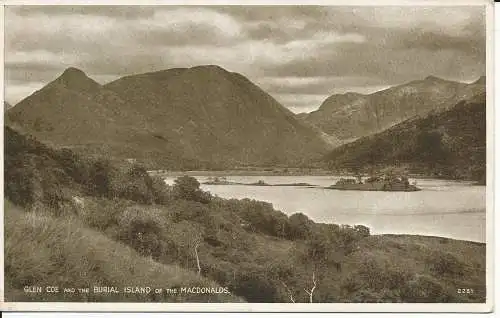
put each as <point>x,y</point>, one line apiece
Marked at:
<point>224,181</point>
<point>219,181</point>
<point>376,183</point>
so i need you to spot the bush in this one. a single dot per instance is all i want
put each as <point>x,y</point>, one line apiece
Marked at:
<point>75,165</point>
<point>423,289</point>
<point>262,217</point>
<point>375,275</point>
<point>183,237</point>
<point>188,210</point>
<point>162,193</point>
<point>100,176</point>
<point>362,230</point>
<point>444,263</point>
<point>318,248</point>
<point>188,188</point>
<point>142,228</point>
<point>215,224</point>
<point>256,287</point>
<point>102,213</point>
<point>348,237</point>
<point>22,185</point>
<point>134,184</point>
<point>299,226</point>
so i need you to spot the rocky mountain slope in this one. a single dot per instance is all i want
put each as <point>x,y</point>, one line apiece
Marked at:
<point>352,115</point>
<point>450,144</point>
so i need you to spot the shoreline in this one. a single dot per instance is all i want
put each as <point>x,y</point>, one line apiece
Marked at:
<point>265,173</point>
<point>427,237</point>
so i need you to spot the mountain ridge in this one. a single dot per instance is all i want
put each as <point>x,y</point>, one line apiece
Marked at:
<point>353,115</point>
<point>449,144</point>
<point>203,116</point>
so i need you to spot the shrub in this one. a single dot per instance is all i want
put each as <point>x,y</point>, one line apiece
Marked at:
<point>134,184</point>
<point>444,263</point>
<point>256,287</point>
<point>362,230</point>
<point>188,210</point>
<point>100,177</point>
<point>142,228</point>
<point>299,226</point>
<point>102,213</point>
<point>162,193</point>
<point>214,224</point>
<point>376,275</point>
<point>423,289</point>
<point>318,247</point>
<point>188,188</point>
<point>76,166</point>
<point>262,217</point>
<point>183,238</point>
<point>21,185</point>
<point>348,237</point>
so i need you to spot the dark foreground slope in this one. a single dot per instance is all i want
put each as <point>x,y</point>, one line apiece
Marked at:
<point>449,144</point>
<point>41,250</point>
<point>352,115</point>
<point>201,117</point>
<point>76,222</point>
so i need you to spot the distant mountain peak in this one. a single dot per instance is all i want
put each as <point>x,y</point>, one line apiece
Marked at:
<point>75,79</point>
<point>73,71</point>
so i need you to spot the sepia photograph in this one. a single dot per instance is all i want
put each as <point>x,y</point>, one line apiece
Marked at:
<point>287,157</point>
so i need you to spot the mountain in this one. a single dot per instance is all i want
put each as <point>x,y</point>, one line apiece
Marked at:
<point>74,110</point>
<point>198,117</point>
<point>6,106</point>
<point>353,115</point>
<point>449,144</point>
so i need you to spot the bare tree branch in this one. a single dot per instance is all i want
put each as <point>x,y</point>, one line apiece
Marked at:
<point>289,292</point>
<point>311,292</point>
<point>197,258</point>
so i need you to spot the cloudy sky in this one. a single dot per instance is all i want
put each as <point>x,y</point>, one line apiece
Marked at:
<point>300,55</point>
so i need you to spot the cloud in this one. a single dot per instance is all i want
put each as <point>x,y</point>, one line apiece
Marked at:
<point>316,85</point>
<point>20,88</point>
<point>299,54</point>
<point>472,46</point>
<point>123,12</point>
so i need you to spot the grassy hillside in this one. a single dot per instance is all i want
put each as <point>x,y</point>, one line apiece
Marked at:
<point>449,144</point>
<point>43,250</point>
<point>86,221</point>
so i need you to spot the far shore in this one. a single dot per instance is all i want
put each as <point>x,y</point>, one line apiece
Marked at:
<point>281,173</point>
<point>222,173</point>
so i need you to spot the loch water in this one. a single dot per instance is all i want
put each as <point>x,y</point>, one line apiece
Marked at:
<point>453,209</point>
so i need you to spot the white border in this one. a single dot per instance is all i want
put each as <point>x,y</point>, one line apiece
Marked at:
<point>287,307</point>
<point>379,3</point>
